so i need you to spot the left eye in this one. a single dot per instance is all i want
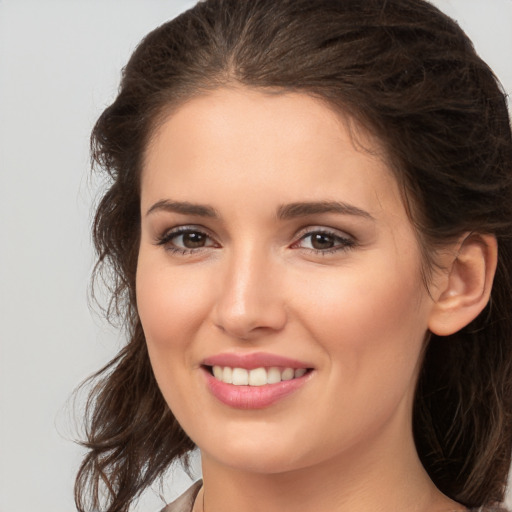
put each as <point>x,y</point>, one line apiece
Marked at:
<point>324,241</point>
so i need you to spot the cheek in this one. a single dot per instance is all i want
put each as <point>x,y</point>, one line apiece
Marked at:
<point>170,303</point>
<point>369,322</point>
<point>170,308</point>
<point>371,330</point>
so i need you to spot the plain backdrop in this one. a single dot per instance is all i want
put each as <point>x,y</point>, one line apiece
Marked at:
<point>60,63</point>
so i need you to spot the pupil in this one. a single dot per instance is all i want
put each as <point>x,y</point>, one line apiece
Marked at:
<point>193,240</point>
<point>322,241</point>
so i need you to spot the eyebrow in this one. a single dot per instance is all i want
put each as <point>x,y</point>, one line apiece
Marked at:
<point>303,209</point>
<point>184,208</point>
<point>284,212</point>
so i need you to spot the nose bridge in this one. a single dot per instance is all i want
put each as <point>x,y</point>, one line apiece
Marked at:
<point>249,299</point>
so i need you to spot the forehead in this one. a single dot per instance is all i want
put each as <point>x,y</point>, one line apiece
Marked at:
<point>245,139</point>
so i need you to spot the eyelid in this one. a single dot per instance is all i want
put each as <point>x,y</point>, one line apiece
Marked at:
<point>165,239</point>
<point>348,241</point>
<point>308,230</point>
<point>342,240</point>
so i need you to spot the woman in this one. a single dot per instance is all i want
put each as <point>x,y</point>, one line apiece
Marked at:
<point>308,226</point>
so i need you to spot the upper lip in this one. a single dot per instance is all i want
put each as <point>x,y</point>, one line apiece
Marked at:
<point>254,360</point>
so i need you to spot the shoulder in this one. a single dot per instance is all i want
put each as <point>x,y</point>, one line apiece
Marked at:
<point>495,508</point>
<point>186,501</point>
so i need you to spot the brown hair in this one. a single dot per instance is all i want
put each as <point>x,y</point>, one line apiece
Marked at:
<point>411,76</point>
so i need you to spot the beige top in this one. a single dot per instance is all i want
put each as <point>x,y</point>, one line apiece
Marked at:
<point>185,502</point>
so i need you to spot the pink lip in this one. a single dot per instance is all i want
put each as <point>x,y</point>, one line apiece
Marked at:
<point>254,360</point>
<point>252,397</point>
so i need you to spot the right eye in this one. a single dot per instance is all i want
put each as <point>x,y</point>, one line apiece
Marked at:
<point>185,240</point>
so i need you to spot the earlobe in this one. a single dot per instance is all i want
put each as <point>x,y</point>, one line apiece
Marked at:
<point>465,289</point>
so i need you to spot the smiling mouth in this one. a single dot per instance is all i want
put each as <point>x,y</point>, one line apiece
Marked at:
<point>255,377</point>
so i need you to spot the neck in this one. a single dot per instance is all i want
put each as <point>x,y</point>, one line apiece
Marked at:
<point>384,475</point>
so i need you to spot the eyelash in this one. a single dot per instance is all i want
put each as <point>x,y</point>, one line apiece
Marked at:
<point>341,243</point>
<point>166,240</point>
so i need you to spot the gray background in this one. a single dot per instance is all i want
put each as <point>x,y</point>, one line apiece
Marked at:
<point>59,67</point>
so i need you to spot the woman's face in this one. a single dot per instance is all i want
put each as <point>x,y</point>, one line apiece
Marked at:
<point>273,246</point>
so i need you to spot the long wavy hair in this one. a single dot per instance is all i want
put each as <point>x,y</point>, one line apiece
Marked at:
<point>411,76</point>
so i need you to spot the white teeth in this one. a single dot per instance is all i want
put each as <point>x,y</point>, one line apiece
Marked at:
<point>273,375</point>
<point>240,377</point>
<point>288,374</point>
<point>227,376</point>
<point>257,376</point>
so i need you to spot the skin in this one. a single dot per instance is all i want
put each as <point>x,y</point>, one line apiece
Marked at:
<point>357,313</point>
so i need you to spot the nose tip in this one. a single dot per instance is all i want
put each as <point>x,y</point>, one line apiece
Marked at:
<point>244,323</point>
<point>250,303</point>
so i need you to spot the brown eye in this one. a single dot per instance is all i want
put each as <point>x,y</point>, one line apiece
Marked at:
<point>325,242</point>
<point>193,240</point>
<point>186,240</point>
<point>322,241</point>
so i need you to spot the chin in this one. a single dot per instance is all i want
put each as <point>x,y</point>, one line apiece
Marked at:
<point>259,460</point>
<point>269,452</point>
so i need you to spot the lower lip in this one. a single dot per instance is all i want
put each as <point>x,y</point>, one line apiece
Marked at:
<point>253,397</point>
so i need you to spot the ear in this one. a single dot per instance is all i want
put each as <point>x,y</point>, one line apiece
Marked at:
<point>464,290</point>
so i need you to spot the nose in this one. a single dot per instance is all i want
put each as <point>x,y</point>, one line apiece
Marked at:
<point>250,300</point>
